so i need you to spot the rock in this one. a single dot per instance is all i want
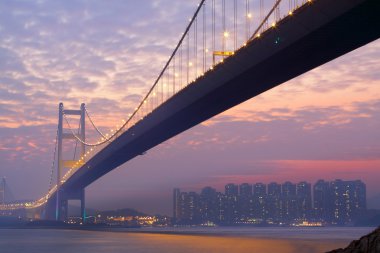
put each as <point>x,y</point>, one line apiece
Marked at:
<point>367,244</point>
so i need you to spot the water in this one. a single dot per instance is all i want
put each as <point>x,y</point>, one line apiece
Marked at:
<point>184,240</point>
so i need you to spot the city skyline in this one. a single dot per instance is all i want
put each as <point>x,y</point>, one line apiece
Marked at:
<point>324,122</point>
<point>336,202</point>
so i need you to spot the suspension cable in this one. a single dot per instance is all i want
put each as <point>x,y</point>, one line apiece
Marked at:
<point>167,64</point>
<point>86,143</point>
<point>150,90</point>
<point>265,20</point>
<point>92,123</point>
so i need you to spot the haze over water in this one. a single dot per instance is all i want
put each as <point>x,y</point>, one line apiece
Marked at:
<point>184,240</point>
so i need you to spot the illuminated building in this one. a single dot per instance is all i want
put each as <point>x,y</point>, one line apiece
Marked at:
<point>274,201</point>
<point>336,202</point>
<point>2,191</point>
<point>209,205</point>
<point>322,201</point>
<point>183,214</point>
<point>304,210</point>
<point>348,200</point>
<point>288,201</point>
<point>245,201</point>
<point>221,203</point>
<point>231,208</point>
<point>259,201</point>
<point>176,204</point>
<point>192,203</point>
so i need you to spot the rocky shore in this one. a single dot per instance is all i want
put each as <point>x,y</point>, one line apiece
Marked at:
<point>367,244</point>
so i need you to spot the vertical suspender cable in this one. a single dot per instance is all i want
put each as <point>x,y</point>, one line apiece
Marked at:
<point>235,25</point>
<point>167,83</point>
<point>195,47</point>
<point>246,20</point>
<point>262,13</point>
<point>188,59</point>
<point>204,38</point>
<point>162,89</point>
<point>174,73</point>
<point>180,67</point>
<point>213,26</point>
<point>224,25</point>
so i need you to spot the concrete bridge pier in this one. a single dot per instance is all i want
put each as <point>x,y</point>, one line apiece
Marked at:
<point>59,210</point>
<point>65,196</point>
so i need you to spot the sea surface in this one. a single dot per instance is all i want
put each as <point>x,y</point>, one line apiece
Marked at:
<point>183,240</point>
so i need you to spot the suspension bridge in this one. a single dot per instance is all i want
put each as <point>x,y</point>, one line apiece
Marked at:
<point>230,52</point>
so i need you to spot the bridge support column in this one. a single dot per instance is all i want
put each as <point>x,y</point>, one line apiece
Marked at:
<point>63,195</point>
<point>83,207</point>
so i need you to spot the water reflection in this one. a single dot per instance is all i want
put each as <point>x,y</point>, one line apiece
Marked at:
<point>221,241</point>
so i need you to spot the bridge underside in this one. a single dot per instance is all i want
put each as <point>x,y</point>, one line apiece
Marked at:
<point>311,37</point>
<point>50,211</point>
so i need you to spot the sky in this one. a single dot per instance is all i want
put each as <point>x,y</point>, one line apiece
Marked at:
<point>323,124</point>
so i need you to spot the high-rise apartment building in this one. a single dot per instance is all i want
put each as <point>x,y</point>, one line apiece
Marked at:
<point>231,212</point>
<point>274,201</point>
<point>176,204</point>
<point>288,201</point>
<point>348,200</point>
<point>209,205</point>
<point>245,202</point>
<point>304,205</point>
<point>336,202</point>
<point>259,201</point>
<point>322,201</point>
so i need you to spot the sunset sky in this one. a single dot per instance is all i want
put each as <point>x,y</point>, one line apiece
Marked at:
<point>321,125</point>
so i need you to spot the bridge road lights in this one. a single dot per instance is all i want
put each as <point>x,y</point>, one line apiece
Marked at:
<point>62,196</point>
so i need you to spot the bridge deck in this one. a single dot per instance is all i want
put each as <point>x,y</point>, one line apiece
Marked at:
<point>311,37</point>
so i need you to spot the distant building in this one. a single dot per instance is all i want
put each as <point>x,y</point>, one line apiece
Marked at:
<point>304,205</point>
<point>245,202</point>
<point>193,206</point>
<point>322,201</point>
<point>182,215</point>
<point>348,200</point>
<point>274,202</point>
<point>2,191</point>
<point>209,205</point>
<point>259,201</point>
<point>288,202</point>
<point>337,202</point>
<point>176,204</point>
<point>221,201</point>
<point>360,198</point>
<point>231,212</point>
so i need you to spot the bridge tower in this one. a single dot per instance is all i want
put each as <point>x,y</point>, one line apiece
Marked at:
<point>64,195</point>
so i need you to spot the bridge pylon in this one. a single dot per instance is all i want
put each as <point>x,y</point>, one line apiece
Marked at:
<point>63,195</point>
